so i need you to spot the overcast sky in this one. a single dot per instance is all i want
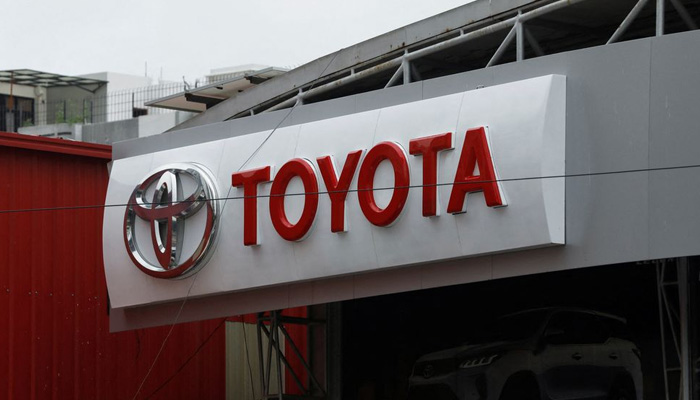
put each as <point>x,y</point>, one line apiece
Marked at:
<point>188,38</point>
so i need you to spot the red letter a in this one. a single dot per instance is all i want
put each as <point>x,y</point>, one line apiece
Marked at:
<point>475,152</point>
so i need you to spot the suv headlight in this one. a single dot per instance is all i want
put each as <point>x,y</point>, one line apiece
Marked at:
<point>474,362</point>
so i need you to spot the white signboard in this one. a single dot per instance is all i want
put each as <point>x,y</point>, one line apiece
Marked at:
<point>462,175</point>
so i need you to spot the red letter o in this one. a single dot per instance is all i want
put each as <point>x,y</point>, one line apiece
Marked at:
<point>395,154</point>
<point>304,170</point>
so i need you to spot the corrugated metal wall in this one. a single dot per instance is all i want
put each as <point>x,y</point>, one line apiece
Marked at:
<point>54,334</point>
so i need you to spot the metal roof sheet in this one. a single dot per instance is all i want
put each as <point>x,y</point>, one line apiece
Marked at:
<point>195,99</point>
<point>32,77</point>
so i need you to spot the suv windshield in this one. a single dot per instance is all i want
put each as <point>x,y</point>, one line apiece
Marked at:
<point>510,328</point>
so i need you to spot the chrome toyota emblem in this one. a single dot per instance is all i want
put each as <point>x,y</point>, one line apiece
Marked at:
<point>428,371</point>
<point>160,207</point>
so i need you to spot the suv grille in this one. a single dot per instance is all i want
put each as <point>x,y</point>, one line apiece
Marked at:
<point>428,369</point>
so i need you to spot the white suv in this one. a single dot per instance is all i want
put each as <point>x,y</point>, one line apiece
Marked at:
<point>552,353</point>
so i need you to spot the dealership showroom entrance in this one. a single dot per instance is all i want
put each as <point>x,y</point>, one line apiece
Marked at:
<point>444,343</point>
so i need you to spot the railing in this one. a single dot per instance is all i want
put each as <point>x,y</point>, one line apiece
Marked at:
<point>114,106</point>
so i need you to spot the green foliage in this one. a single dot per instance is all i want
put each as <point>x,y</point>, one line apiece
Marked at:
<point>70,112</point>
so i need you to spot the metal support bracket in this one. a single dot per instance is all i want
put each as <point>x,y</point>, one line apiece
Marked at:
<point>672,291</point>
<point>269,326</point>
<point>206,100</point>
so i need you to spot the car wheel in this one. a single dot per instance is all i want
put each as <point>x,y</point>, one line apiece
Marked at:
<point>621,392</point>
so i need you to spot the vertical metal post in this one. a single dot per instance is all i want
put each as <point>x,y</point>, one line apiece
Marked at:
<point>276,335</point>
<point>300,98</point>
<point>660,17</point>
<point>406,67</point>
<point>519,39</point>
<point>686,365</point>
<point>660,271</point>
<point>270,342</point>
<point>260,358</point>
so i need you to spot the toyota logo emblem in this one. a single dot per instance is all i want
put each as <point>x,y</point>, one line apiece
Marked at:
<point>154,222</point>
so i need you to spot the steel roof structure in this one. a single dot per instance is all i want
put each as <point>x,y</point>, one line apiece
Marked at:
<point>32,77</point>
<point>477,35</point>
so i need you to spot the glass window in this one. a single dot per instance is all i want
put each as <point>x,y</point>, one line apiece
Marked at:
<point>575,328</point>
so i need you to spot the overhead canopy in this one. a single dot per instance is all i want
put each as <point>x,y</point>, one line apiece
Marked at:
<point>203,97</point>
<point>32,77</point>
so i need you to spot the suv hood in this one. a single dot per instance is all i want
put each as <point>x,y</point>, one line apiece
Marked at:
<point>472,350</point>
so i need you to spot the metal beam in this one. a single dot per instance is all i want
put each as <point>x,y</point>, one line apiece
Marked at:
<point>271,325</point>
<point>279,358</point>
<point>406,67</point>
<point>532,41</point>
<point>660,272</point>
<point>686,362</point>
<point>502,48</point>
<point>660,14</point>
<point>269,361</point>
<point>672,291</point>
<point>93,91</point>
<point>519,40</point>
<point>627,21</point>
<point>498,26</point>
<point>449,43</point>
<point>685,15</point>
<point>296,379</point>
<point>261,363</point>
<point>394,77</point>
<point>306,366</point>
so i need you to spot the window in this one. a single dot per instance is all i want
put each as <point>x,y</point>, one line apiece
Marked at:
<point>575,328</point>
<point>16,113</point>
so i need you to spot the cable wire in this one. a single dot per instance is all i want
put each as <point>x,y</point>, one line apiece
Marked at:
<point>193,355</point>
<point>377,189</point>
<point>162,346</point>
<point>184,301</point>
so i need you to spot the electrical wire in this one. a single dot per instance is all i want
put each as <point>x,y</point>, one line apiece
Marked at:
<point>184,301</point>
<point>162,346</point>
<point>377,189</point>
<point>290,112</point>
<point>193,355</point>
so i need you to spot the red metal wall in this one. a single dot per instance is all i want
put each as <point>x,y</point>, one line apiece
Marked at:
<point>54,334</point>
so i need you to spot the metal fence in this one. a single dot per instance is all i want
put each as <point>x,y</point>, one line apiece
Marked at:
<point>78,107</point>
<point>114,106</point>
